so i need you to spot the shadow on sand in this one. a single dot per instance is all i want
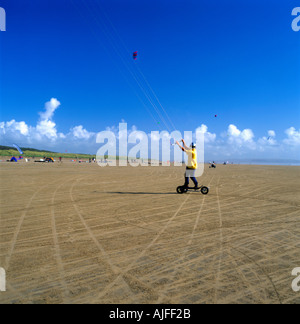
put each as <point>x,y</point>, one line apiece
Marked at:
<point>142,193</point>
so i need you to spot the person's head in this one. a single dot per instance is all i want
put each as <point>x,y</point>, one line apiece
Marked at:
<point>193,145</point>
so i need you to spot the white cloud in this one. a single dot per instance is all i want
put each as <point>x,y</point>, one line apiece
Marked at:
<point>121,133</point>
<point>247,135</point>
<point>293,136</point>
<point>271,133</point>
<point>208,137</point>
<point>47,128</point>
<point>81,133</point>
<point>234,142</point>
<point>43,134</point>
<point>22,128</point>
<point>233,131</point>
<point>236,136</point>
<point>267,141</point>
<point>13,126</point>
<point>61,135</point>
<point>50,108</point>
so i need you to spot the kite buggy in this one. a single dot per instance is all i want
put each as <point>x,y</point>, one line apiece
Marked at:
<point>190,170</point>
<point>182,189</point>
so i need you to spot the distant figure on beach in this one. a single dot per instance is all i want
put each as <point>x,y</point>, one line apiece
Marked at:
<point>192,162</point>
<point>213,165</point>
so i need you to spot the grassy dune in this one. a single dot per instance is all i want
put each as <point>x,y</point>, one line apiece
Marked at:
<point>29,152</point>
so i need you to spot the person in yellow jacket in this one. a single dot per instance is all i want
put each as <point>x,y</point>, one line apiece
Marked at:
<point>192,162</point>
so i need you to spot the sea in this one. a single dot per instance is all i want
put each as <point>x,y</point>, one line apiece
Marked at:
<point>261,162</point>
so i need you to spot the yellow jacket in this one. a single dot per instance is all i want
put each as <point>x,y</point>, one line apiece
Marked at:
<point>192,158</point>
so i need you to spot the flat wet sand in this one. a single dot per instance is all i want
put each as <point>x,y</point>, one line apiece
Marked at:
<point>79,233</point>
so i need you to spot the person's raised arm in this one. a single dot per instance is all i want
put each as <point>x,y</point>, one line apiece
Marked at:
<point>185,146</point>
<point>183,149</point>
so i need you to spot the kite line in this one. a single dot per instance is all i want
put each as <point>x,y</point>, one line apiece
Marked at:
<point>157,111</point>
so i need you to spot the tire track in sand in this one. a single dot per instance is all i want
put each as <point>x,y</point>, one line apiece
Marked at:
<point>57,247</point>
<point>246,196</point>
<point>18,228</point>
<point>130,266</point>
<point>263,271</point>
<point>162,294</point>
<point>221,243</point>
<point>115,269</point>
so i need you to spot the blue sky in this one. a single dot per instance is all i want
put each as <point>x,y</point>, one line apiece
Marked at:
<point>238,60</point>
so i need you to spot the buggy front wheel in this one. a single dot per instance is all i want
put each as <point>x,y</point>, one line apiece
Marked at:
<point>204,190</point>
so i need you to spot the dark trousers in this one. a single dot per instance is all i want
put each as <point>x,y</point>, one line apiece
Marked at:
<point>187,179</point>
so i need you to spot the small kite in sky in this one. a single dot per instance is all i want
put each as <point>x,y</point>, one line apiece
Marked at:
<point>135,54</point>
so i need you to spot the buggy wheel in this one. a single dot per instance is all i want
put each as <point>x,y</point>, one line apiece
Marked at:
<point>180,190</point>
<point>204,190</point>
